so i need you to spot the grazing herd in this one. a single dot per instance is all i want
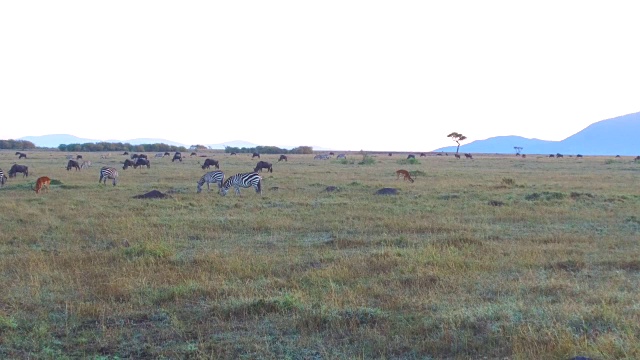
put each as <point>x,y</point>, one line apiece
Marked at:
<point>237,181</point>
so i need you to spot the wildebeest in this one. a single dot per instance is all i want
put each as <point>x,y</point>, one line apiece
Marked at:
<point>390,154</point>
<point>255,155</point>
<point>22,155</point>
<point>637,158</point>
<point>167,154</point>
<point>208,162</point>
<point>177,156</point>
<point>411,156</point>
<point>134,156</point>
<point>142,162</point>
<point>524,156</point>
<point>127,163</point>
<point>341,156</point>
<point>73,164</point>
<point>551,155</point>
<point>579,156</point>
<point>18,169</point>
<point>457,156</point>
<point>468,156</point>
<point>331,153</point>
<point>617,156</point>
<point>263,165</point>
<point>142,156</point>
<point>232,153</point>
<point>282,157</point>
<point>423,155</point>
<point>78,157</point>
<point>558,155</point>
<point>125,153</point>
<point>193,154</point>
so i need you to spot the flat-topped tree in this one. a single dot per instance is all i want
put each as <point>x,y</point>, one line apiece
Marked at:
<point>457,137</point>
<point>518,149</point>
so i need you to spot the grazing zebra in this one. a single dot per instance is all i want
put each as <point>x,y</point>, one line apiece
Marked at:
<point>108,173</point>
<point>242,180</point>
<point>211,177</point>
<point>321,157</point>
<point>159,155</point>
<point>3,178</point>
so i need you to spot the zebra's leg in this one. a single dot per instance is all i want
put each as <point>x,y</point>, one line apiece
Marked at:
<point>237,190</point>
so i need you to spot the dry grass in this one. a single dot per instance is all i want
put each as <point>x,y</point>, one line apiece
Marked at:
<point>496,257</point>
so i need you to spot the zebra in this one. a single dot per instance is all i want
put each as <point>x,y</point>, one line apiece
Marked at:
<point>321,157</point>
<point>108,173</point>
<point>211,177</point>
<point>3,178</point>
<point>242,180</point>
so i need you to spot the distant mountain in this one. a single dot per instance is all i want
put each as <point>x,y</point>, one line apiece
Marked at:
<point>616,136</point>
<point>54,140</point>
<point>139,141</point>
<point>234,143</point>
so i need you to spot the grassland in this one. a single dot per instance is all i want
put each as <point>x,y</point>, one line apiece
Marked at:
<point>496,257</point>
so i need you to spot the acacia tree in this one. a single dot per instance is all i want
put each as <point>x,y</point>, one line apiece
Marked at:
<point>457,137</point>
<point>518,149</point>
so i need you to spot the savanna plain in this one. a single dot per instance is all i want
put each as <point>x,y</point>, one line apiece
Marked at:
<point>495,257</point>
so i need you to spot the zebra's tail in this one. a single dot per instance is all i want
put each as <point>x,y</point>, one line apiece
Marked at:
<point>259,190</point>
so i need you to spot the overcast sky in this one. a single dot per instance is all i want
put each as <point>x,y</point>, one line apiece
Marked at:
<point>348,75</point>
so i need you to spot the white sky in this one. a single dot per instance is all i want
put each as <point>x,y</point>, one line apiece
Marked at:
<point>347,75</point>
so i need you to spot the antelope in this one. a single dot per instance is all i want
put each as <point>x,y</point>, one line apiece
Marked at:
<point>405,175</point>
<point>42,183</point>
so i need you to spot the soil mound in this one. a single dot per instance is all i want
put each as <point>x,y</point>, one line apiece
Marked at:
<point>153,194</point>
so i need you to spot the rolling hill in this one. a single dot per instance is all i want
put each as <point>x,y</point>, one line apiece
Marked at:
<point>616,136</point>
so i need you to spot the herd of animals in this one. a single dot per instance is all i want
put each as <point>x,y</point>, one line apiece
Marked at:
<point>244,180</point>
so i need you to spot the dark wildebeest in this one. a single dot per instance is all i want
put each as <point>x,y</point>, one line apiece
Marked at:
<point>73,164</point>
<point>468,156</point>
<point>142,156</point>
<point>125,153</point>
<point>524,156</point>
<point>177,156</point>
<point>18,153</point>
<point>579,155</point>
<point>263,165</point>
<point>232,153</point>
<point>390,154</point>
<point>551,155</point>
<point>193,154</point>
<point>18,169</point>
<point>166,154</point>
<point>283,157</point>
<point>423,155</point>
<point>255,155</point>
<point>637,158</point>
<point>22,155</point>
<point>127,163</point>
<point>208,162</point>
<point>331,154</point>
<point>617,156</point>
<point>558,155</point>
<point>457,156</point>
<point>78,157</point>
<point>411,156</point>
<point>134,156</point>
<point>142,162</point>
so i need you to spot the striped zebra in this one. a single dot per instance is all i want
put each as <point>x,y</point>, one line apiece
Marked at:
<point>242,180</point>
<point>3,178</point>
<point>211,177</point>
<point>322,157</point>
<point>108,173</point>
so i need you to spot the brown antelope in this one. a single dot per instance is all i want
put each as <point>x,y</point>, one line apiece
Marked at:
<point>405,175</point>
<point>41,183</point>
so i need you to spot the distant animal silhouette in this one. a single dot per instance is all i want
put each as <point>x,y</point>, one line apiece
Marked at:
<point>22,156</point>
<point>3,178</point>
<point>411,156</point>
<point>457,156</point>
<point>390,154</point>
<point>108,173</point>
<point>73,164</point>
<point>283,157</point>
<point>177,156</point>
<point>43,182</point>
<point>255,155</point>
<point>468,156</point>
<point>209,162</point>
<point>263,165</point>
<point>193,154</point>
<point>142,162</point>
<point>558,155</point>
<point>637,158</point>
<point>423,155</point>
<point>405,175</point>
<point>78,157</point>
